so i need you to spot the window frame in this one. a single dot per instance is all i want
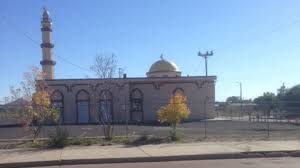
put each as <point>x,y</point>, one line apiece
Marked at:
<point>83,100</point>
<point>139,101</point>
<point>62,108</point>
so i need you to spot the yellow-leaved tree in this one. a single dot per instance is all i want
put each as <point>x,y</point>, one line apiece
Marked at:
<point>174,112</point>
<point>39,112</point>
<point>35,109</point>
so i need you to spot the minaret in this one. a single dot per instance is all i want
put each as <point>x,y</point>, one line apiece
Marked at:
<point>47,61</point>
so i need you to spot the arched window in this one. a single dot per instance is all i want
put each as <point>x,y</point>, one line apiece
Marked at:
<point>136,105</point>
<point>178,91</point>
<point>57,102</point>
<point>83,106</point>
<point>106,106</point>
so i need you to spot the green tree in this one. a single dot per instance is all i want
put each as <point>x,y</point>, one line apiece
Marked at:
<point>281,91</point>
<point>290,101</point>
<point>266,102</point>
<point>233,99</point>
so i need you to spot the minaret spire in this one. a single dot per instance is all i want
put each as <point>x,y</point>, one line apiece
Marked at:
<point>47,61</point>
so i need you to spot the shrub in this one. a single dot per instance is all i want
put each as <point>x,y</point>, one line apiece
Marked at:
<point>59,139</point>
<point>144,137</point>
<point>175,135</point>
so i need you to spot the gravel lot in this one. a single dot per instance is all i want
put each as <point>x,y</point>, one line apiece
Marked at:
<point>193,131</point>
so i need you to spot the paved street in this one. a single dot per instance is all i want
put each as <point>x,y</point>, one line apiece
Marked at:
<point>229,163</point>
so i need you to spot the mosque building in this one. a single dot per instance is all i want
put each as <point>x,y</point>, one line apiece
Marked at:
<point>132,99</point>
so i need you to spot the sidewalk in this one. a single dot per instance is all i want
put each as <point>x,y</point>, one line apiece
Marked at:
<point>120,153</point>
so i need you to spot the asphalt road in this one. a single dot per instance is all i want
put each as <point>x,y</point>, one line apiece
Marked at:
<point>228,163</point>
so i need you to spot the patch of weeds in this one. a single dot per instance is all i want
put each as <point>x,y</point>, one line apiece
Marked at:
<point>120,140</point>
<point>84,141</point>
<point>59,139</point>
<point>147,139</point>
<point>100,141</point>
<point>176,135</point>
<point>25,144</point>
<point>144,137</point>
<point>38,144</point>
<point>13,145</point>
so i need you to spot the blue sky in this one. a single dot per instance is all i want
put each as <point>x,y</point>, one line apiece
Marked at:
<point>255,42</point>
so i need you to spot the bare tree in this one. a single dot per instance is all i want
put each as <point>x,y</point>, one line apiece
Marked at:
<point>105,67</point>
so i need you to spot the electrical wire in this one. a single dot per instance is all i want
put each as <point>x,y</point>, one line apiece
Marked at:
<point>26,35</point>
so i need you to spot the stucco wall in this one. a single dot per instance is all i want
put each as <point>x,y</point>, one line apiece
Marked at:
<point>156,93</point>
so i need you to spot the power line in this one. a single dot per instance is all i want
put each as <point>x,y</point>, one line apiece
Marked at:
<point>25,34</point>
<point>262,35</point>
<point>75,65</point>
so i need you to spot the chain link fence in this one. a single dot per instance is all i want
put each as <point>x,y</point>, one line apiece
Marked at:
<point>227,124</point>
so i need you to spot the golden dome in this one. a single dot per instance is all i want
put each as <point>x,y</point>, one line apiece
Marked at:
<point>163,67</point>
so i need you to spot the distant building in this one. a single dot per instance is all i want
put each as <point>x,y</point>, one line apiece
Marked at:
<point>2,109</point>
<point>136,99</point>
<point>247,108</point>
<point>10,111</point>
<point>224,109</point>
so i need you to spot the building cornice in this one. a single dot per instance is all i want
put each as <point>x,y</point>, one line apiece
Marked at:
<point>142,78</point>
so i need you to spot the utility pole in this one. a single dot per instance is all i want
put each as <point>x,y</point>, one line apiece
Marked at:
<point>121,72</point>
<point>205,56</point>
<point>127,129</point>
<point>205,124</point>
<point>241,98</point>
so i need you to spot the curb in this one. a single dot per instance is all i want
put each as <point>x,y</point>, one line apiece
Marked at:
<point>264,154</point>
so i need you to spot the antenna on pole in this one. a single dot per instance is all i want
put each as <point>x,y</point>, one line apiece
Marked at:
<point>205,56</point>
<point>121,72</point>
